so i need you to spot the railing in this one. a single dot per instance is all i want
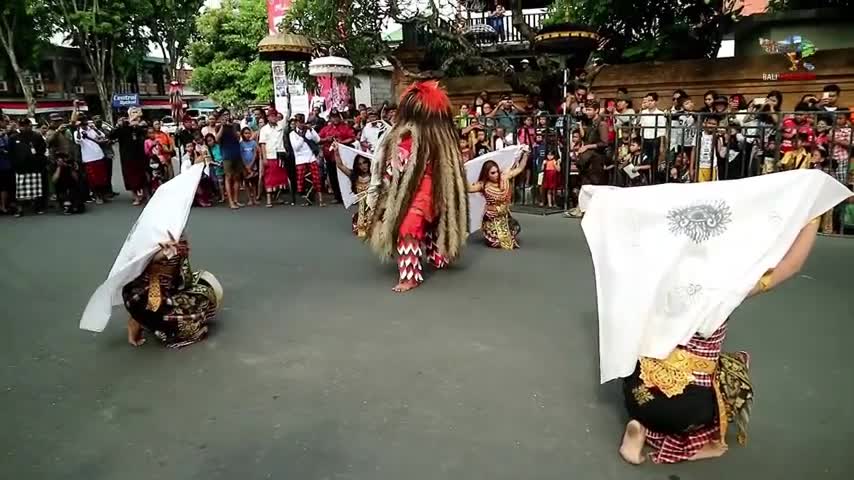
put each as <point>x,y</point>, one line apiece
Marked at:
<point>489,30</point>
<point>672,147</point>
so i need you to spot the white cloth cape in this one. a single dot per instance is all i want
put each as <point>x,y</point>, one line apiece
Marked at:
<point>167,212</point>
<point>505,158</point>
<point>348,158</point>
<point>675,260</point>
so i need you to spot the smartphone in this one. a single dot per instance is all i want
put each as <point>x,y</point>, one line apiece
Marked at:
<point>825,95</point>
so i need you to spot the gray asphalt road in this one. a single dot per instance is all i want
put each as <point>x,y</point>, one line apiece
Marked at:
<point>317,371</point>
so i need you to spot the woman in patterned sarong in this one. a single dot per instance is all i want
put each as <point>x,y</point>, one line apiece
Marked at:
<point>500,229</point>
<point>681,406</point>
<point>170,300</point>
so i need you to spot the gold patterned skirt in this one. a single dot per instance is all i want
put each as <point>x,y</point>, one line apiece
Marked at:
<point>172,302</point>
<point>501,231</point>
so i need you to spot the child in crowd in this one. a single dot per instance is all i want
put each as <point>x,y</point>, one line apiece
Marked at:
<point>680,173</point>
<point>193,154</point>
<point>465,151</point>
<point>801,156</point>
<point>250,153</point>
<point>538,156</point>
<point>156,169</point>
<point>481,145</point>
<point>636,172</point>
<point>551,179</point>
<point>215,165</point>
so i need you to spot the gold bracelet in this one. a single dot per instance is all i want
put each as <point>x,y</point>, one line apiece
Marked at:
<point>764,283</point>
<point>815,221</point>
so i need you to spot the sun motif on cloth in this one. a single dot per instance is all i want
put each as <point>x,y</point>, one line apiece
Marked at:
<point>700,221</point>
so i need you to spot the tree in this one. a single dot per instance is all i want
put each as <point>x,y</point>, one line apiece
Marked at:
<point>103,30</point>
<point>785,5</point>
<point>224,55</point>
<point>639,30</point>
<point>22,26</point>
<point>171,25</point>
<point>350,29</point>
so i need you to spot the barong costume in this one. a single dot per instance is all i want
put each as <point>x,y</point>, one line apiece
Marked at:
<point>418,193</point>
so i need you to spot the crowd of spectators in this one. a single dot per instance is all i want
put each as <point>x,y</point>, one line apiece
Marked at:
<point>587,139</point>
<point>608,141</point>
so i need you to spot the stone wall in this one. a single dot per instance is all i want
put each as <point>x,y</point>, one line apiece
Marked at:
<point>745,75</point>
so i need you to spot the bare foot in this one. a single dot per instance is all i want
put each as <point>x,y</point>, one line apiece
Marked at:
<point>633,441</point>
<point>405,286</point>
<point>135,333</point>
<point>711,450</point>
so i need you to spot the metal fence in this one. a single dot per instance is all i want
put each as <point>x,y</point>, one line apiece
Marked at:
<point>646,149</point>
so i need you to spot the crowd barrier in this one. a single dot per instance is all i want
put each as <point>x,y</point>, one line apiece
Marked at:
<point>677,146</point>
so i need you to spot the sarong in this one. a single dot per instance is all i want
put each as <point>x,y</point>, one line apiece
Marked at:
<point>28,186</point>
<point>275,176</point>
<point>97,174</point>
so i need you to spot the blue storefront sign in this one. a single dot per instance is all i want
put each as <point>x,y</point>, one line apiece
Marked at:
<point>125,100</point>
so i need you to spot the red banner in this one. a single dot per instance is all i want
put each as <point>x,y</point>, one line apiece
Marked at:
<point>276,10</point>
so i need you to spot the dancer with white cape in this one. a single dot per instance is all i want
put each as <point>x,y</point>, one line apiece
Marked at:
<point>152,277</point>
<point>490,179</point>
<point>700,250</point>
<point>354,177</point>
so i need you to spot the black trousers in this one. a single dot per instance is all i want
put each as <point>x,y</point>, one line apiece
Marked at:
<point>696,407</point>
<point>291,168</point>
<point>69,189</point>
<point>332,173</point>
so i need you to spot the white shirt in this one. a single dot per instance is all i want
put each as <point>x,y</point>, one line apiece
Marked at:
<point>652,126</point>
<point>707,157</point>
<point>371,134</point>
<point>302,152</point>
<point>90,150</point>
<point>273,140</point>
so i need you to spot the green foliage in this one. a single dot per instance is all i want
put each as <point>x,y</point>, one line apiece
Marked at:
<point>641,30</point>
<point>318,20</point>
<point>23,26</point>
<point>224,54</point>
<point>172,23</point>
<point>559,11</point>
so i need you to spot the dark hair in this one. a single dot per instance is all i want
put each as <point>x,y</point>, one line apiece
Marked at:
<point>680,92</point>
<point>804,107</point>
<point>803,137</point>
<point>354,172</point>
<point>635,141</point>
<point>779,96</point>
<point>211,136</point>
<point>580,86</point>
<point>742,101</point>
<point>245,129</point>
<point>715,118</point>
<point>832,88</point>
<point>623,90</point>
<point>826,118</point>
<point>713,93</point>
<point>484,171</point>
<point>592,104</point>
<point>652,95</point>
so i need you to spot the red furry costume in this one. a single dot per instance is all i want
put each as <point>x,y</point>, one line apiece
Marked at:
<point>418,190</point>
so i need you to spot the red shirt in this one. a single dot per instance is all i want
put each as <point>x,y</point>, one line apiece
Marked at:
<point>342,132</point>
<point>791,129</point>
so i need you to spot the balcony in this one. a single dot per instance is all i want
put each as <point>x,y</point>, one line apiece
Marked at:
<point>499,32</point>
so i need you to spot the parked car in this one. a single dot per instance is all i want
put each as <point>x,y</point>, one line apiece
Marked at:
<point>168,125</point>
